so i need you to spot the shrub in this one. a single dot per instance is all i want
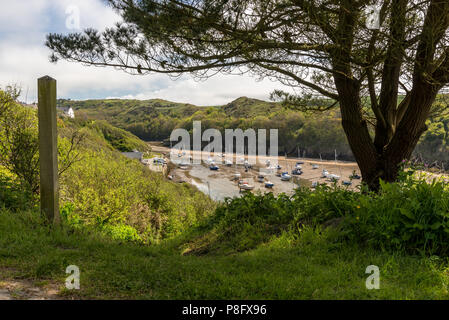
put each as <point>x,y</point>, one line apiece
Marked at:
<point>412,215</point>
<point>241,224</point>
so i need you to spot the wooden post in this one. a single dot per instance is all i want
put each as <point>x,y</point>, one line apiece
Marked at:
<point>48,149</point>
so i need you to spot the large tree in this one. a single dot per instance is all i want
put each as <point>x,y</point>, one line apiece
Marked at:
<point>383,80</point>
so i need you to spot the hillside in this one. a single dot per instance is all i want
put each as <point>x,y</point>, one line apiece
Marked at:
<point>313,134</point>
<point>136,235</point>
<point>153,120</point>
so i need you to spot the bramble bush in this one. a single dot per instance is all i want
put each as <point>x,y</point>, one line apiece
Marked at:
<point>411,215</point>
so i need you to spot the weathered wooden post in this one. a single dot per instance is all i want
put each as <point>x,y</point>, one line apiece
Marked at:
<point>48,149</point>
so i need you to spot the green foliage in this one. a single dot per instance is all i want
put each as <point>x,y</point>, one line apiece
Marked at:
<point>412,215</point>
<point>12,196</point>
<point>153,120</point>
<point>314,133</point>
<point>122,232</point>
<point>243,223</point>
<point>99,188</point>
<point>19,148</point>
<point>312,266</point>
<point>108,192</point>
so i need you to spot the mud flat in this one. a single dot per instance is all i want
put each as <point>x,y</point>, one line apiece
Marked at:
<point>220,184</point>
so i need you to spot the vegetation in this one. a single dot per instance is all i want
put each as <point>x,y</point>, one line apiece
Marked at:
<point>100,189</point>
<point>136,235</point>
<point>314,134</point>
<point>254,247</point>
<point>322,49</point>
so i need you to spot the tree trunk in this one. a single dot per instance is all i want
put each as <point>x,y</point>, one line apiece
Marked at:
<point>385,164</point>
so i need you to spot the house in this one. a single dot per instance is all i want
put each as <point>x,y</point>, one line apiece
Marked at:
<point>67,112</point>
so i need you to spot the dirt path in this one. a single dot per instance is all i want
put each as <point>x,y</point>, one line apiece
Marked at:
<point>14,289</point>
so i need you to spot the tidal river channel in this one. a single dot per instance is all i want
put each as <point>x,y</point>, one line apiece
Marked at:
<point>222,183</point>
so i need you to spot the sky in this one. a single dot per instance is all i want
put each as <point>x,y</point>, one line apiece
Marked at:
<point>24,58</point>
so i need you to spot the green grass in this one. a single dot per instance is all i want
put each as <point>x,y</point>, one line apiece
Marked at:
<point>313,266</point>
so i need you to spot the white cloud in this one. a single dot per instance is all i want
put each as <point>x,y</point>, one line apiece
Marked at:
<point>24,58</point>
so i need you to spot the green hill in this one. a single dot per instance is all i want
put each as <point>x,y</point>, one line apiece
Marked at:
<point>314,134</point>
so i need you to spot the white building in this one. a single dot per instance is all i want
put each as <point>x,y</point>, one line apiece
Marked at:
<point>68,112</point>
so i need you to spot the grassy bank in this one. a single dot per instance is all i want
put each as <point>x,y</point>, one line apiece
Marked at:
<point>312,266</point>
<point>136,235</point>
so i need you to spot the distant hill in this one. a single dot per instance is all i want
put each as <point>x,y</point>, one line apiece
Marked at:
<point>247,107</point>
<point>310,134</point>
<point>241,107</point>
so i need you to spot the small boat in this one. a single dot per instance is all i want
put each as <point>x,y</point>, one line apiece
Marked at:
<point>244,185</point>
<point>285,176</point>
<point>228,163</point>
<point>298,166</point>
<point>347,183</point>
<point>269,184</point>
<point>333,177</point>
<point>214,167</point>
<point>315,166</point>
<point>261,178</point>
<point>355,176</point>
<point>296,172</point>
<point>314,184</point>
<point>324,174</point>
<point>236,176</point>
<point>298,163</point>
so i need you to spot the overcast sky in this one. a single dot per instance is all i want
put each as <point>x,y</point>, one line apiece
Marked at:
<point>24,58</point>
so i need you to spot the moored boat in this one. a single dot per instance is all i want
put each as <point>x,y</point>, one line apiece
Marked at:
<point>269,184</point>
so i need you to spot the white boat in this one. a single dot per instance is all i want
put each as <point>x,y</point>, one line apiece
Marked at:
<point>183,166</point>
<point>228,163</point>
<point>285,176</point>
<point>333,177</point>
<point>269,184</point>
<point>325,173</point>
<point>236,176</point>
<point>261,178</point>
<point>244,185</point>
<point>315,166</point>
<point>214,167</point>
